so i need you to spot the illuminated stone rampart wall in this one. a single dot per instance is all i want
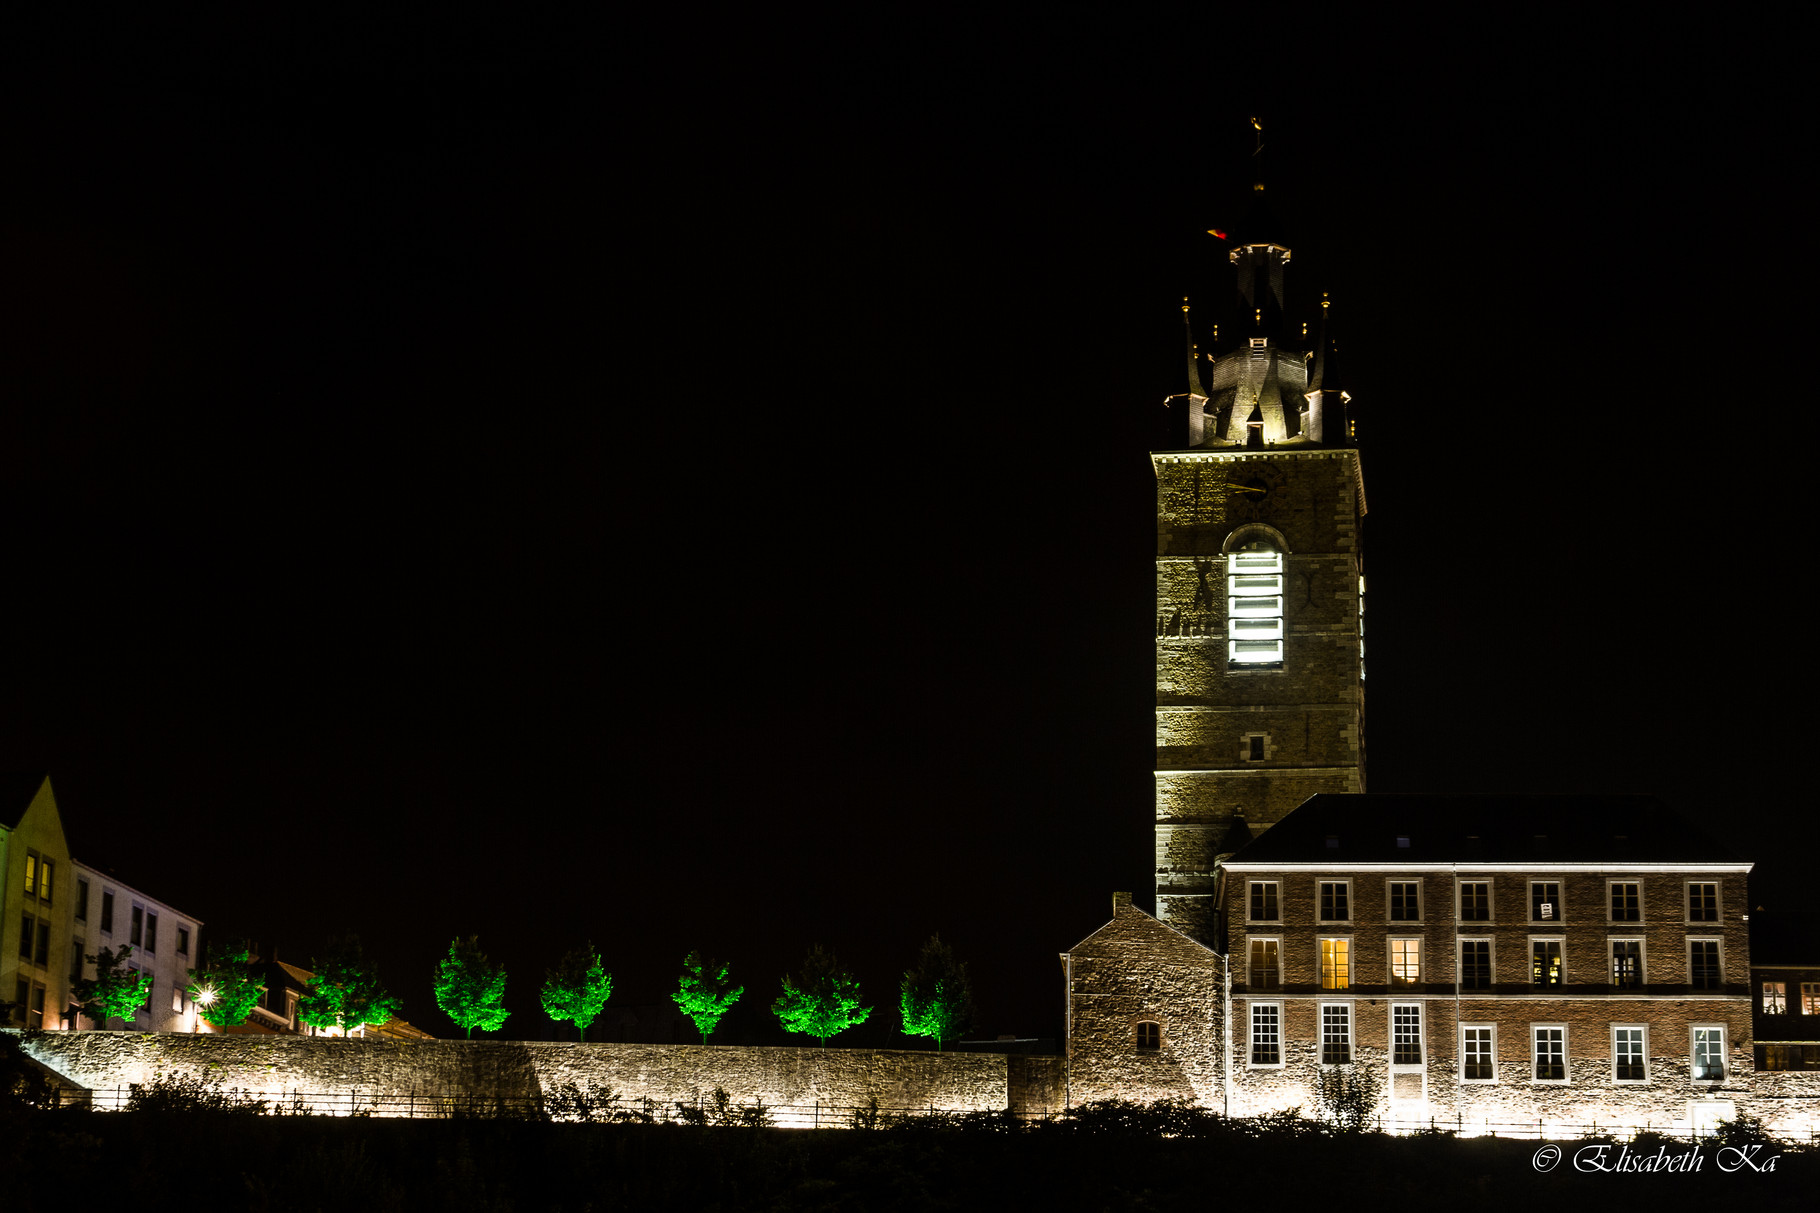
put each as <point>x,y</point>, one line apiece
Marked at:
<point>897,1078</point>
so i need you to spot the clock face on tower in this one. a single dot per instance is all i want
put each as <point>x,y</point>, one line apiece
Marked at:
<point>1251,491</point>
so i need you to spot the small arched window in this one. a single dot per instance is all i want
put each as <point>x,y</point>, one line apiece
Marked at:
<point>1254,605</point>
<point>1149,1034</point>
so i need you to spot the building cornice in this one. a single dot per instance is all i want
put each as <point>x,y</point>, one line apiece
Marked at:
<point>1690,867</point>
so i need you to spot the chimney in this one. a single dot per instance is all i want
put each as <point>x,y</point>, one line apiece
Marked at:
<point>1120,901</point>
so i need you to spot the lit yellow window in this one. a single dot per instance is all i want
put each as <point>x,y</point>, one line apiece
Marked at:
<point>1336,967</point>
<point>1405,962</point>
<point>31,874</point>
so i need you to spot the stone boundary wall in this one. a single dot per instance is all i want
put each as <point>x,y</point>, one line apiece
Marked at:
<point>664,1074</point>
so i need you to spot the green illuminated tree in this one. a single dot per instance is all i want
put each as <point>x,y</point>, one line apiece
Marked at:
<point>936,998</point>
<point>705,992</point>
<point>345,993</point>
<point>824,1001</point>
<point>577,988</point>
<point>469,987</point>
<point>115,991</point>
<point>226,988</point>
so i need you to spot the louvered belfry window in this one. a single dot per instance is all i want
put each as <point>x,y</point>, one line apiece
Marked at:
<point>1254,607</point>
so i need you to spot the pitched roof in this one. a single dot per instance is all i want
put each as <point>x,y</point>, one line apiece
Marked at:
<point>1368,828</point>
<point>1785,937</point>
<point>17,788</point>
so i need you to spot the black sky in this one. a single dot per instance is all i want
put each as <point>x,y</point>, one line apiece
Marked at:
<point>688,488</point>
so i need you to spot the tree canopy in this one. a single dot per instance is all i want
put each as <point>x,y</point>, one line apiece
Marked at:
<point>114,990</point>
<point>346,992</point>
<point>470,988</point>
<point>577,988</point>
<point>705,992</point>
<point>936,998</point>
<point>226,988</point>
<point>823,1001</point>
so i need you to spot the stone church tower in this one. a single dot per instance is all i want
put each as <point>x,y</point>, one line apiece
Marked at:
<point>1260,670</point>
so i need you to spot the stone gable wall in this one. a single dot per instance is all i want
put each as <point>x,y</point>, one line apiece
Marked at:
<point>1134,970</point>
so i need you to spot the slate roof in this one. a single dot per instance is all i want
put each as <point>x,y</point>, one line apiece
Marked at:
<point>16,791</point>
<point>1616,830</point>
<point>1785,937</point>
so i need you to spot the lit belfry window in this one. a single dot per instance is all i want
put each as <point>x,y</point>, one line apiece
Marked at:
<point>1254,606</point>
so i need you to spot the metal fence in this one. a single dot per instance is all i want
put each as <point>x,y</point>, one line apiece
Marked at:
<point>592,1105</point>
<point>576,1105</point>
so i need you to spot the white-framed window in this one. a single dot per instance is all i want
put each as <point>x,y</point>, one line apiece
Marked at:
<point>1548,1048</point>
<point>1266,1035</point>
<point>1333,900</point>
<point>1475,964</point>
<point>1627,963</point>
<point>1405,900</point>
<point>1262,905</point>
<point>1547,970</point>
<point>1705,963</point>
<point>1254,606</point>
<point>1624,900</point>
<point>1630,1052</point>
<point>1702,901</point>
<point>1336,1033</point>
<point>1264,969</point>
<point>1406,960</point>
<point>1774,998</point>
<point>1474,900</point>
<point>1478,1052</point>
<point>1336,962</point>
<point>1708,1049</point>
<point>1405,1033</point>
<point>1545,901</point>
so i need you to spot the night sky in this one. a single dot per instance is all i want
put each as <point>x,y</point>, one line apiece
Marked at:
<point>688,488</point>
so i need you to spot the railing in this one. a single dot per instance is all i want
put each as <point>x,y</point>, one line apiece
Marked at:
<point>594,1106</point>
<point>573,1105</point>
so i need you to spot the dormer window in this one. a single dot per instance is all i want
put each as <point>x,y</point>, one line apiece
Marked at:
<point>1254,606</point>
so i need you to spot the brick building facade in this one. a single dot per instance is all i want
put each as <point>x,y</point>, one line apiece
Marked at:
<point>1486,962</point>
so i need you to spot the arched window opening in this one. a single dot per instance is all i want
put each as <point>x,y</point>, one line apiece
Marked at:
<point>1149,1035</point>
<point>1254,605</point>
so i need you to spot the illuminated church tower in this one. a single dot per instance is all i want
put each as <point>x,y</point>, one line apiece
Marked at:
<point>1260,671</point>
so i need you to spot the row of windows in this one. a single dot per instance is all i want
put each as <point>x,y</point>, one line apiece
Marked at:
<point>1478,1045</point>
<point>142,925</point>
<point>39,874</point>
<point>1788,1057</point>
<point>1546,969</point>
<point>34,940</point>
<point>30,995</point>
<point>1473,903</point>
<point>1774,1000</point>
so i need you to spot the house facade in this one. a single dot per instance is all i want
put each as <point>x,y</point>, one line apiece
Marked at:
<point>35,891</point>
<point>1488,964</point>
<point>106,912</point>
<point>59,911</point>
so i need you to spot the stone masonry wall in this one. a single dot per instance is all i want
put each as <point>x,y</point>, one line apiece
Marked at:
<point>781,1077</point>
<point>1136,970</point>
<point>1308,713</point>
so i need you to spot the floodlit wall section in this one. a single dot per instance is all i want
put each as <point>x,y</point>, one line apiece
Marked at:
<point>794,1082</point>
